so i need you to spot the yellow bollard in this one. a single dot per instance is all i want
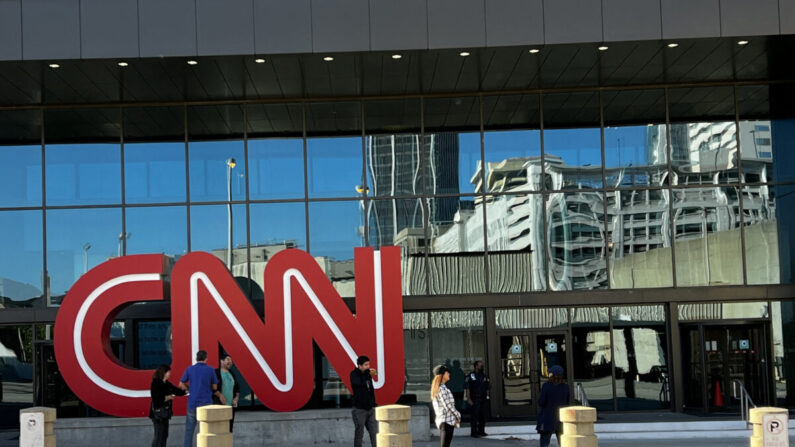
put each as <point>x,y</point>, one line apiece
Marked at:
<point>758,419</point>
<point>37,427</point>
<point>578,427</point>
<point>393,426</point>
<point>214,426</point>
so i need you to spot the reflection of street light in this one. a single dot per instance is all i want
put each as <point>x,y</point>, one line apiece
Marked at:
<point>86,247</point>
<point>122,237</point>
<point>362,190</point>
<point>230,164</point>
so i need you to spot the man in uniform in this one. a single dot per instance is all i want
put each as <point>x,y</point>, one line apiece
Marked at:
<point>477,394</point>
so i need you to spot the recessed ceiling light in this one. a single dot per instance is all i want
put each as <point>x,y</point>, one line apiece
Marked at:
<point>55,66</point>
<point>259,61</point>
<point>397,56</point>
<point>534,50</point>
<point>328,58</point>
<point>464,53</point>
<point>603,48</point>
<point>123,64</point>
<point>742,42</point>
<point>192,62</point>
<point>673,45</point>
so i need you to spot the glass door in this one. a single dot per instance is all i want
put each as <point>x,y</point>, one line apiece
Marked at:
<point>525,360</point>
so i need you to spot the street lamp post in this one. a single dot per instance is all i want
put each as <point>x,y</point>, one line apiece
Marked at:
<point>86,247</point>
<point>230,164</point>
<point>122,237</point>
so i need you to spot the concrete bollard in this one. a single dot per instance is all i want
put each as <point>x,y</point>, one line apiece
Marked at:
<point>393,426</point>
<point>758,421</point>
<point>37,427</point>
<point>214,426</point>
<point>578,427</point>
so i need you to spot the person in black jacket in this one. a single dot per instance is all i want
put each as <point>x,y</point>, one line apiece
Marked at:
<point>554,395</point>
<point>162,392</point>
<point>227,385</point>
<point>363,401</point>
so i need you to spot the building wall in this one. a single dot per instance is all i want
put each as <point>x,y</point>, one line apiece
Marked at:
<point>72,29</point>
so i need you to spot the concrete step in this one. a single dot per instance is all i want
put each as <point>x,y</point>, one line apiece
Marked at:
<point>633,430</point>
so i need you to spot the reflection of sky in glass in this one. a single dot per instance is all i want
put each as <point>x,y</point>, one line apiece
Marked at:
<point>501,145</point>
<point>161,229</point>
<point>468,158</point>
<point>276,167</point>
<point>577,147</point>
<point>20,235</point>
<point>208,176</point>
<point>154,172</point>
<point>626,146</point>
<point>83,174</point>
<point>68,232</point>
<point>278,222</point>
<point>209,225</point>
<point>20,176</point>
<point>333,228</point>
<point>334,166</point>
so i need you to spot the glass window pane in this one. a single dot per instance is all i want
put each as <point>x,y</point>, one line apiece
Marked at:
<point>83,156</point>
<point>154,344</point>
<point>452,145</point>
<point>553,317</point>
<point>576,235</point>
<point>274,227</point>
<point>593,355</point>
<point>703,135</point>
<point>399,222</point>
<point>723,311</point>
<point>707,235</point>
<point>393,147</point>
<point>785,220</point>
<point>17,368</point>
<point>160,229</point>
<point>512,143</point>
<point>78,240</point>
<point>572,141</point>
<point>515,233</point>
<point>20,158</point>
<point>209,231</point>
<point>416,342</point>
<point>334,149</point>
<point>457,340</point>
<point>334,230</point>
<point>216,153</point>
<point>22,261</point>
<point>456,264</point>
<point>783,323</point>
<point>635,138</point>
<point>761,235</point>
<point>276,151</point>
<point>641,352</point>
<point>640,245</point>
<point>154,154</point>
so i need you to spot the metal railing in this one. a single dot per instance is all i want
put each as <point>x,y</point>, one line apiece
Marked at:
<point>746,403</point>
<point>579,394</point>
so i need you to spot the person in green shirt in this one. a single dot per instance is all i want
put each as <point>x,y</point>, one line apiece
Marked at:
<point>228,386</point>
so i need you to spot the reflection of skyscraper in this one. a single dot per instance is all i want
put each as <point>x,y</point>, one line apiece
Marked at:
<point>395,169</point>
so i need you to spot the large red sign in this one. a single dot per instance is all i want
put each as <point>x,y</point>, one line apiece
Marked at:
<point>208,308</point>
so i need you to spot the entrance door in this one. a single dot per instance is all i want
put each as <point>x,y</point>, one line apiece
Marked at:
<point>525,359</point>
<point>717,357</point>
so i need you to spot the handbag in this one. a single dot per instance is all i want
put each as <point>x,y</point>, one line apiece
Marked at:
<point>161,413</point>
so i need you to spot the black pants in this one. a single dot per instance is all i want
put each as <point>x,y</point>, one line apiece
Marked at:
<point>161,432</point>
<point>478,420</point>
<point>232,421</point>
<point>364,419</point>
<point>446,434</point>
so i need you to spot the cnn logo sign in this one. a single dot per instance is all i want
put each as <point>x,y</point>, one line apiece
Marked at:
<point>208,308</point>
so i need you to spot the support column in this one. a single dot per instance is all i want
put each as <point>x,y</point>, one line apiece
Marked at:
<point>37,427</point>
<point>758,421</point>
<point>393,426</point>
<point>214,426</point>
<point>578,427</point>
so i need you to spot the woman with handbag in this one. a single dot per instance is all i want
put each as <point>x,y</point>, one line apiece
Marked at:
<point>162,392</point>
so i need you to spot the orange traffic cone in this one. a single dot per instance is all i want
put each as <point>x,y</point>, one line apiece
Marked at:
<point>718,400</point>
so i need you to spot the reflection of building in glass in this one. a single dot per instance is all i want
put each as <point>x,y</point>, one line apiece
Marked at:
<point>638,220</point>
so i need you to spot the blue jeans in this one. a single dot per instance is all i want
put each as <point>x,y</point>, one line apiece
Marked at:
<point>546,437</point>
<point>190,428</point>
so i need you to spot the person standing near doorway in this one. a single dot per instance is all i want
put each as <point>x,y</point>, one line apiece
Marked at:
<point>477,394</point>
<point>201,381</point>
<point>447,417</point>
<point>228,386</point>
<point>363,401</point>
<point>554,395</point>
